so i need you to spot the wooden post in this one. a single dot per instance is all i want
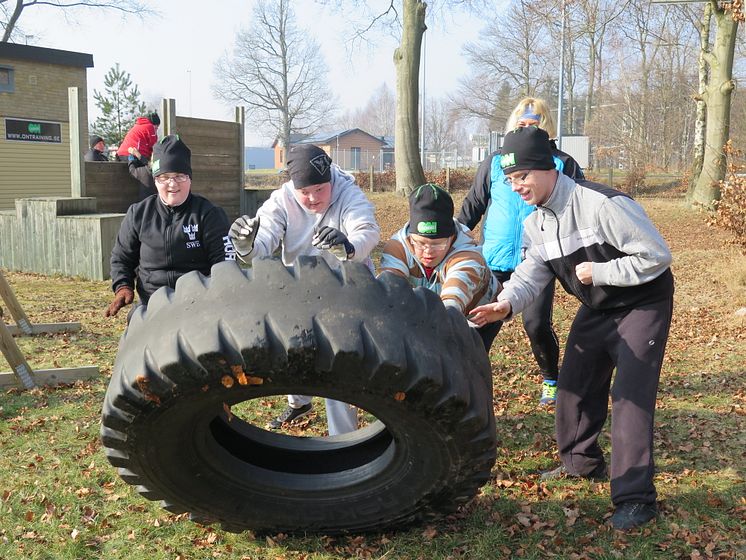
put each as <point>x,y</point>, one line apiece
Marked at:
<point>448,179</point>
<point>16,311</point>
<point>24,326</point>
<point>370,177</point>
<point>241,120</point>
<point>15,357</point>
<point>168,116</point>
<point>77,173</point>
<point>611,175</point>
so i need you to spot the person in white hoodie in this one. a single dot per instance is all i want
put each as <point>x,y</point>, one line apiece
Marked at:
<point>322,212</point>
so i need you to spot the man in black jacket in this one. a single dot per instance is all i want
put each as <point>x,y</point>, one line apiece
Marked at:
<point>96,153</point>
<point>167,234</point>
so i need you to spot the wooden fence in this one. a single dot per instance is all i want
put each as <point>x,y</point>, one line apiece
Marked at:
<point>58,236</point>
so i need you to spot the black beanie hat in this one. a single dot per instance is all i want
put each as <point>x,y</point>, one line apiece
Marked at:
<point>171,155</point>
<point>526,148</point>
<point>95,140</point>
<point>309,165</point>
<point>154,118</point>
<point>431,212</point>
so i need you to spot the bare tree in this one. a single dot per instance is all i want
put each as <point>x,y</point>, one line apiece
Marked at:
<point>702,75</point>
<point>409,17</point>
<point>376,116</point>
<point>717,97</point>
<point>513,46</point>
<point>409,172</point>
<point>12,10</point>
<point>440,125</point>
<point>595,18</point>
<point>277,72</point>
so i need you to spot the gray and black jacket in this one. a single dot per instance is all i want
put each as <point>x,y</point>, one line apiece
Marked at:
<point>589,222</point>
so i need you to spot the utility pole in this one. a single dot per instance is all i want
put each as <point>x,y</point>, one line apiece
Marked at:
<point>561,76</point>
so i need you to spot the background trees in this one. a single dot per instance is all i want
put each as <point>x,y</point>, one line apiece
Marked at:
<point>632,78</point>
<point>277,72</point>
<point>119,104</point>
<point>12,10</point>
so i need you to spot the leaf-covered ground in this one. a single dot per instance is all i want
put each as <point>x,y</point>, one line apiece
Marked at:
<point>60,499</point>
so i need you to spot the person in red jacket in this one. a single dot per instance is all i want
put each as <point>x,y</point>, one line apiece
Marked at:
<point>142,136</point>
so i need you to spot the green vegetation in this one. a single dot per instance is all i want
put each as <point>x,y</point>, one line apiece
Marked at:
<point>60,499</point>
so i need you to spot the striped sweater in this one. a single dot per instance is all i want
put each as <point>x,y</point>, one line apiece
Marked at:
<point>462,279</point>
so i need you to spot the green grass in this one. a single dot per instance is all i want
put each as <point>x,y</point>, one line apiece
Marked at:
<point>61,500</point>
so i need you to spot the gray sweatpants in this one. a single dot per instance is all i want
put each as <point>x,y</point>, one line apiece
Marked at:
<point>340,416</point>
<point>633,342</point>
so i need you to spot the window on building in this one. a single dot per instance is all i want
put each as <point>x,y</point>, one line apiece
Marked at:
<point>355,157</point>
<point>6,79</point>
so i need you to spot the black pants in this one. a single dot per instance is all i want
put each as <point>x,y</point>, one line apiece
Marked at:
<point>537,322</point>
<point>633,342</point>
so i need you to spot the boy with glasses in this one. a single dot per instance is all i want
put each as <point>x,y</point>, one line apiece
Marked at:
<point>436,252</point>
<point>503,247</point>
<point>168,234</point>
<point>605,251</point>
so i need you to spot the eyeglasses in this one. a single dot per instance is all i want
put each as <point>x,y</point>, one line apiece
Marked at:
<point>163,180</point>
<point>517,180</point>
<point>432,247</point>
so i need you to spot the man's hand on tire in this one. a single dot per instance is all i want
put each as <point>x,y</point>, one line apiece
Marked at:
<point>123,296</point>
<point>242,233</point>
<point>334,241</point>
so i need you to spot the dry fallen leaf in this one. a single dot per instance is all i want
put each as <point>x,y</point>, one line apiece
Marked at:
<point>227,381</point>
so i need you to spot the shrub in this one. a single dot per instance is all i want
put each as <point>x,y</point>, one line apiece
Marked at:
<point>730,210</point>
<point>459,179</point>
<point>634,181</point>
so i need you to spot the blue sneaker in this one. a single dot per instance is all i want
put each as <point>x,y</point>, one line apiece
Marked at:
<point>548,393</point>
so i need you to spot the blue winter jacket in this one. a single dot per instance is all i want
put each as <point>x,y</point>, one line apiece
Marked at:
<point>502,227</point>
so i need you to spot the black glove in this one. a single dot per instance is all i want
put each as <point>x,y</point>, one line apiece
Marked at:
<point>334,241</point>
<point>123,296</point>
<point>242,233</point>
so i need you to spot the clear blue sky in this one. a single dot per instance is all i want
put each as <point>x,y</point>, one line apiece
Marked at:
<point>173,55</point>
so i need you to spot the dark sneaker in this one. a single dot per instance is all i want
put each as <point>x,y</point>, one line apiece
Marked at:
<point>548,393</point>
<point>290,415</point>
<point>599,474</point>
<point>630,515</point>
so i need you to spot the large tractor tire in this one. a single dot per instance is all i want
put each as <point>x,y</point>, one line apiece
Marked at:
<point>214,342</point>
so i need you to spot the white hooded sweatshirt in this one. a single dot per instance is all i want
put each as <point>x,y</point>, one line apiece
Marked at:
<point>284,222</point>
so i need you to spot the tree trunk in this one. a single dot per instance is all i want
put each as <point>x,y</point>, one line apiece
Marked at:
<point>718,100</point>
<point>591,83</point>
<point>12,21</point>
<point>409,172</point>
<point>701,114</point>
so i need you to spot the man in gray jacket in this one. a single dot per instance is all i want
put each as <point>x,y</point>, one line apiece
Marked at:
<point>321,211</point>
<point>604,250</point>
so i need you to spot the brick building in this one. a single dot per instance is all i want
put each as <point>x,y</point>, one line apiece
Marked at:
<point>352,149</point>
<point>34,121</point>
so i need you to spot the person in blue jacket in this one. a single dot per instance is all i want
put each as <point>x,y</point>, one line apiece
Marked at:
<point>503,247</point>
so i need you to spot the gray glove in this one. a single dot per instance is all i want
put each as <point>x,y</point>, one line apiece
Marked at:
<point>242,233</point>
<point>333,241</point>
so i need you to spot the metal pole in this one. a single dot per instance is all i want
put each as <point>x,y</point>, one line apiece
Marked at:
<point>561,76</point>
<point>424,75</point>
<point>189,76</point>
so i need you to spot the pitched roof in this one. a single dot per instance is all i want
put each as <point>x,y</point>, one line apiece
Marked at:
<point>327,137</point>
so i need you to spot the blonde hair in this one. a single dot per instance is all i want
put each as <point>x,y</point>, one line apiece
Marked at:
<point>534,105</point>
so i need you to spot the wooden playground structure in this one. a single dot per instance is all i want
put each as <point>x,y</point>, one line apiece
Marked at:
<point>22,373</point>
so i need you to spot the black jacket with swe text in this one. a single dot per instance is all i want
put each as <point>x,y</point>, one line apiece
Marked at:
<point>158,244</point>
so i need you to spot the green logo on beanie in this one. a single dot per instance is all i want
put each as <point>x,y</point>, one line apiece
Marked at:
<point>507,160</point>
<point>427,228</point>
<point>156,166</point>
